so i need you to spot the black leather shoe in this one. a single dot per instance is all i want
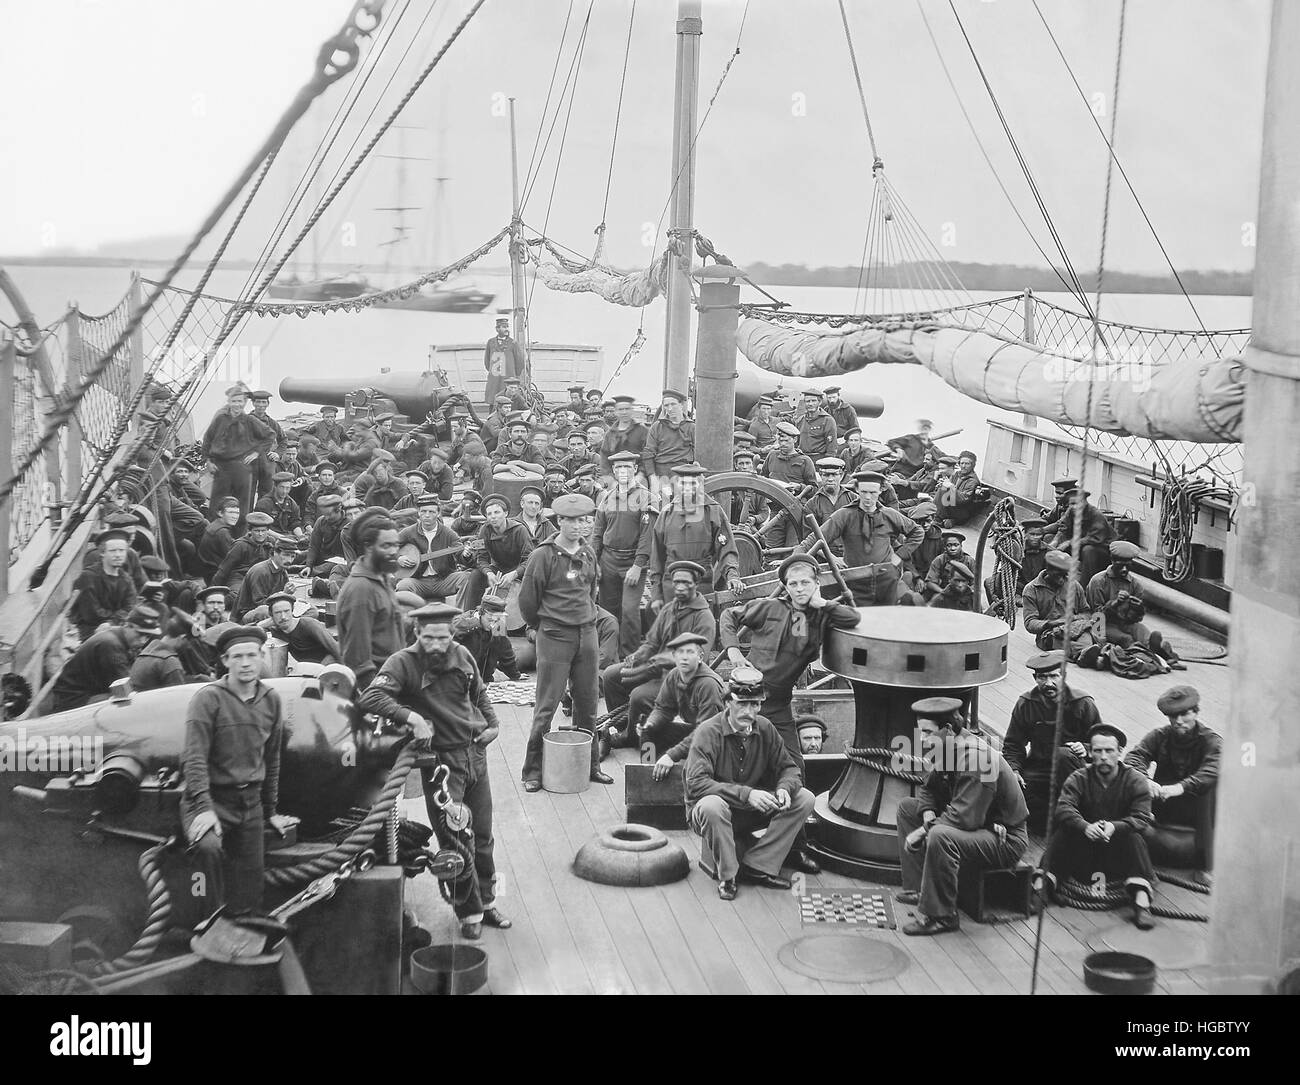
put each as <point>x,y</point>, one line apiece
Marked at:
<point>494,917</point>
<point>599,777</point>
<point>933,925</point>
<point>728,889</point>
<point>908,896</point>
<point>758,877</point>
<point>471,931</point>
<point>532,785</point>
<point>801,860</point>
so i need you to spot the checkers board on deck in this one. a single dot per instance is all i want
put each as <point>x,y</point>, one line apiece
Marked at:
<point>847,908</point>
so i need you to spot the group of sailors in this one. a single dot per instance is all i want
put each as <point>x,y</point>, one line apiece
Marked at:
<point>599,539</point>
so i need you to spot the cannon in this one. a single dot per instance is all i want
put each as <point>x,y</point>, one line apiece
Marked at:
<point>752,382</point>
<point>414,393</point>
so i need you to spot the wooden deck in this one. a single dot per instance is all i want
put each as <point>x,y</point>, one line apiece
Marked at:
<point>571,936</point>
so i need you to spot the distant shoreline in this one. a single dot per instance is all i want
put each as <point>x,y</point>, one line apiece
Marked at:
<point>1011,278</point>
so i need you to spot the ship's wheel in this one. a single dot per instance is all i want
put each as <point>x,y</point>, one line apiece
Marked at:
<point>773,495</point>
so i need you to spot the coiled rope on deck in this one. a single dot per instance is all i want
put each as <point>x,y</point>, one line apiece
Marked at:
<point>883,760</point>
<point>1075,894</point>
<point>1007,539</point>
<point>160,912</point>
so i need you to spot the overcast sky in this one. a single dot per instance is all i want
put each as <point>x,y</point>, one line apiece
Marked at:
<point>126,119</point>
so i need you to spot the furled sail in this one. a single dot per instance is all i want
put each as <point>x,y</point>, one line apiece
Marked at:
<point>635,289</point>
<point>1184,400</point>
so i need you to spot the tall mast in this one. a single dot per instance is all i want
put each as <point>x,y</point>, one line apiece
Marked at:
<point>1255,930</point>
<point>677,332</point>
<point>517,294</point>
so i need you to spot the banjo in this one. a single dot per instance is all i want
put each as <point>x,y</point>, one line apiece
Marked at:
<point>418,559</point>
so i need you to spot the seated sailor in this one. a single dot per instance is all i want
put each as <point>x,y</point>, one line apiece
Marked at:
<point>1098,825</point>
<point>739,777</point>
<point>1186,756</point>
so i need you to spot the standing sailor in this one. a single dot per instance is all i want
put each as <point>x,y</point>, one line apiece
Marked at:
<point>435,688</point>
<point>817,432</point>
<point>625,519</point>
<point>558,599</point>
<point>232,442</point>
<point>693,527</point>
<point>670,441</point>
<point>844,416</point>
<point>369,615</point>
<point>504,361</point>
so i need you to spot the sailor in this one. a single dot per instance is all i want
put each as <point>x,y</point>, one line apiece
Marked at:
<point>1062,487</point>
<point>558,599</point>
<point>377,486</point>
<point>103,658</point>
<point>495,421</point>
<point>555,481</point>
<point>746,509</point>
<point>503,359</point>
<point>532,515</point>
<point>326,486</point>
<point>184,488</point>
<point>129,523</point>
<point>160,590</point>
<point>670,441</point>
<point>741,776</point>
<point>368,613</point>
<point>625,435</point>
<point>855,454</point>
<point>762,427</point>
<point>882,538</point>
<point>105,592</point>
<point>691,691</point>
<point>1030,746</point>
<point>831,493</point>
<point>1044,603</point>
<point>950,580</point>
<point>300,483</point>
<point>214,605</point>
<point>812,734</point>
<point>246,552</point>
<point>234,735</point>
<point>326,538</point>
<point>439,477</point>
<point>1095,538</point>
<point>159,663</point>
<point>232,442</point>
<point>925,515</point>
<point>467,517</point>
<point>482,632</point>
<point>787,632</point>
<point>1183,786</point>
<point>912,447</point>
<point>635,681</point>
<point>585,481</point>
<point>437,578</point>
<point>965,495</point>
<point>844,416</point>
<point>1117,594</point>
<point>910,485</point>
<point>1099,823</point>
<point>817,431</point>
<point>503,548</point>
<point>621,534</point>
<point>306,637</point>
<point>327,430</point>
<point>263,580</point>
<point>517,452</point>
<point>785,463</point>
<point>693,527</point>
<point>514,388</point>
<point>435,689</point>
<point>286,517</point>
<point>271,450</point>
<point>970,813</point>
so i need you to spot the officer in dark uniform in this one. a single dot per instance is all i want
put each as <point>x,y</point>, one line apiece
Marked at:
<point>234,735</point>
<point>435,688</point>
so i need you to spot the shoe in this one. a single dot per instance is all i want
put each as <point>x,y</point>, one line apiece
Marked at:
<point>1089,656</point>
<point>1205,878</point>
<point>801,860</point>
<point>728,889</point>
<point>713,874</point>
<point>566,705</point>
<point>1044,884</point>
<point>532,785</point>
<point>599,777</point>
<point>1142,918</point>
<point>757,877</point>
<point>926,925</point>
<point>494,917</point>
<point>908,896</point>
<point>471,931</point>
<point>602,745</point>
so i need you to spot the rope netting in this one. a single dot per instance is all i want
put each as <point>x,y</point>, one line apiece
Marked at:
<point>1136,349</point>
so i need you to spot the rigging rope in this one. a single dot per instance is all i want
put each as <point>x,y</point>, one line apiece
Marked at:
<point>336,58</point>
<point>613,148</point>
<point>857,77</point>
<point>1076,534</point>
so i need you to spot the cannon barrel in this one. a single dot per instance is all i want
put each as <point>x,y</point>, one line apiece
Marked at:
<point>752,382</point>
<point>414,393</point>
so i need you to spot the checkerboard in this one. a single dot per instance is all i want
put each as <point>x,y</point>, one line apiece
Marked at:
<point>848,908</point>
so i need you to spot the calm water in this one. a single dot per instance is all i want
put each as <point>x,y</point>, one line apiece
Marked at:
<point>362,343</point>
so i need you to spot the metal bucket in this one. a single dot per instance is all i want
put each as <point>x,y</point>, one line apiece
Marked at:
<point>449,969</point>
<point>275,659</point>
<point>566,761</point>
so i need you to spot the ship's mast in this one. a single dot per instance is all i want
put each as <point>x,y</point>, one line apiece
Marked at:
<point>1255,934</point>
<point>517,295</point>
<point>677,332</point>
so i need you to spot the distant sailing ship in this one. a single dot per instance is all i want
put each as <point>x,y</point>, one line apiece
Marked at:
<point>316,289</point>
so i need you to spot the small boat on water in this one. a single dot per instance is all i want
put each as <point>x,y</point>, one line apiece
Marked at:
<point>442,299</point>
<point>331,289</point>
